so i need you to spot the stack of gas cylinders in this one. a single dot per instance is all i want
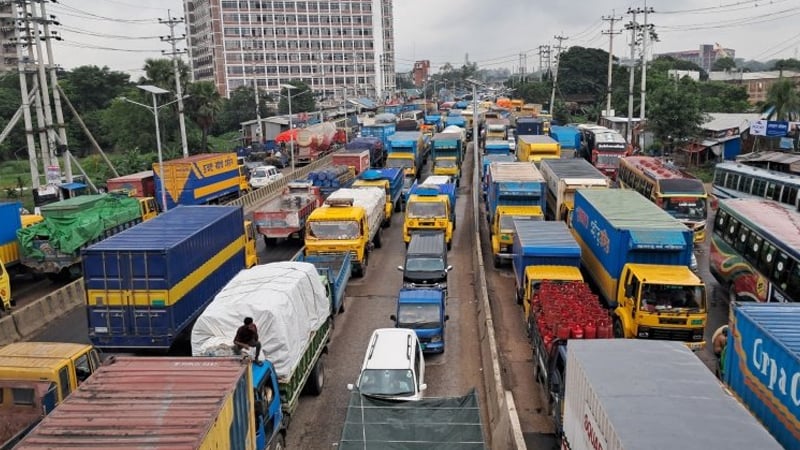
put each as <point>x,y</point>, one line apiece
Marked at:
<point>569,311</point>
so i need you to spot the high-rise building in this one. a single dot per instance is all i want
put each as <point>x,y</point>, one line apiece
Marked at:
<point>328,44</point>
<point>420,72</point>
<point>8,44</point>
<point>704,57</point>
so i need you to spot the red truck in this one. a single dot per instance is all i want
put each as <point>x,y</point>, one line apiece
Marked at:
<point>139,184</point>
<point>357,158</point>
<point>284,217</point>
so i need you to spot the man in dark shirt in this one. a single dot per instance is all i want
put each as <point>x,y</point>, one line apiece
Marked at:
<point>246,337</point>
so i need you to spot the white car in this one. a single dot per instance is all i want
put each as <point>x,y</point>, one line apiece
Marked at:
<point>264,175</point>
<point>393,368</point>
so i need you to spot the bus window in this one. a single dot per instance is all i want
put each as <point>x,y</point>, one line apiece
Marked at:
<point>747,184</point>
<point>732,182</point>
<point>759,187</point>
<point>753,246</point>
<point>719,178</point>
<point>789,195</point>
<point>781,270</point>
<point>793,282</point>
<point>773,191</point>
<point>730,231</point>
<point>742,241</point>
<point>767,259</point>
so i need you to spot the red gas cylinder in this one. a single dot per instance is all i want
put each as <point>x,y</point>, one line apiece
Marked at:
<point>562,331</point>
<point>590,330</point>
<point>576,332</point>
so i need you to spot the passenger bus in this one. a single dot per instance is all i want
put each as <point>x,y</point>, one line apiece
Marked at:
<point>755,250</point>
<point>603,148</point>
<point>733,180</point>
<point>679,194</point>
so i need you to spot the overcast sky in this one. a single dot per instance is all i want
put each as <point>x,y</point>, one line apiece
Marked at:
<point>491,33</point>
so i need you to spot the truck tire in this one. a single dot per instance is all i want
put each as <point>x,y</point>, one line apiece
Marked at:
<point>449,245</point>
<point>279,443</point>
<point>269,242</point>
<point>316,380</point>
<point>496,261</point>
<point>617,327</point>
<point>377,240</point>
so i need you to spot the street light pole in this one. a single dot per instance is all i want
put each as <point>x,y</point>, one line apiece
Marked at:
<point>289,88</point>
<point>475,140</point>
<point>160,156</point>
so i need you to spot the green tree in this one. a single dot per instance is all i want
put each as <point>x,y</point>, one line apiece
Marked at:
<point>127,126</point>
<point>674,112</point>
<point>241,107</point>
<point>302,98</point>
<point>160,72</point>
<point>721,97</point>
<point>723,64</point>
<point>91,87</point>
<point>786,64</point>
<point>203,106</point>
<point>782,96</point>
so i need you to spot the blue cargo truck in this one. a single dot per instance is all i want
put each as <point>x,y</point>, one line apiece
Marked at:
<point>146,285</point>
<point>529,126</point>
<point>514,184</point>
<point>334,271</point>
<point>485,161</point>
<point>381,131</point>
<point>496,147</point>
<point>423,310</point>
<point>569,138</point>
<point>639,256</point>
<point>405,151</point>
<point>543,251</point>
<point>762,366</point>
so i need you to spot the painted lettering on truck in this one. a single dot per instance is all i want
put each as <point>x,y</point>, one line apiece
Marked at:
<point>593,437</point>
<point>600,236</point>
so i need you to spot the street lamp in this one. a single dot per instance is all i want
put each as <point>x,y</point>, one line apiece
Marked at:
<point>475,140</point>
<point>155,90</point>
<point>289,88</point>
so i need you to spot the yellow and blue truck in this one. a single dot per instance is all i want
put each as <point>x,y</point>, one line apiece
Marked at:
<point>388,179</point>
<point>639,256</point>
<point>207,178</point>
<point>446,151</point>
<point>431,207</point>
<point>34,378</point>
<point>10,221</point>
<point>535,148</point>
<point>146,285</point>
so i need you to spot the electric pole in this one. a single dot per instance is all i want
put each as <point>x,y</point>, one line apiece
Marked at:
<point>645,34</point>
<point>611,19</point>
<point>633,27</point>
<point>43,88</point>
<point>26,106</point>
<point>560,39</point>
<point>544,60</point>
<point>172,39</point>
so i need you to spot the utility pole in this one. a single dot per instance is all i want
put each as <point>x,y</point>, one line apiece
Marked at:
<point>43,88</point>
<point>31,59</point>
<point>26,106</point>
<point>560,39</point>
<point>544,60</point>
<point>645,34</point>
<point>611,19</point>
<point>259,131</point>
<point>172,39</point>
<point>633,27</point>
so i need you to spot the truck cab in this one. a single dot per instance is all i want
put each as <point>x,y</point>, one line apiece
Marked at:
<point>447,165</point>
<point>339,228</point>
<point>502,230</point>
<point>250,252</point>
<point>423,310</point>
<point>405,161</point>
<point>148,208</point>
<point>428,209</point>
<point>674,307</point>
<point>426,261</point>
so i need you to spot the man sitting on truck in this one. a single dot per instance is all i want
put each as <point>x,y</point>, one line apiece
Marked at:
<point>246,337</point>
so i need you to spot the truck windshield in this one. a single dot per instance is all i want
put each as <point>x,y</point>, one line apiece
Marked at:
<point>387,382</point>
<point>339,229</point>
<point>426,210</point>
<point>446,163</point>
<point>260,173</point>
<point>402,149</point>
<point>414,264</point>
<point>418,316</point>
<point>686,208</point>
<point>608,159</point>
<point>670,297</point>
<point>507,221</point>
<point>398,163</point>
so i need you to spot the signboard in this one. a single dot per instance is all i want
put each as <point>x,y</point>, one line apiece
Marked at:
<point>769,128</point>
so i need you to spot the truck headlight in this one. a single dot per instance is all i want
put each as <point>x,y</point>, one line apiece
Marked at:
<point>697,335</point>
<point>643,332</point>
<point>436,339</point>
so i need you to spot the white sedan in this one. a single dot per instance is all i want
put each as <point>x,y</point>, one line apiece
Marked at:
<point>264,175</point>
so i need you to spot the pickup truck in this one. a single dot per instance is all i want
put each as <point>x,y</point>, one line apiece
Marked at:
<point>424,311</point>
<point>285,216</point>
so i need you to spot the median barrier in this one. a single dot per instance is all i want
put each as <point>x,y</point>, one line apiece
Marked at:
<point>504,430</point>
<point>30,318</point>
<point>8,330</point>
<point>62,301</point>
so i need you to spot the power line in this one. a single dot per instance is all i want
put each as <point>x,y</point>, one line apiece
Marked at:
<point>104,35</point>
<point>114,49</point>
<point>75,12</point>
<point>769,17</point>
<point>718,8</point>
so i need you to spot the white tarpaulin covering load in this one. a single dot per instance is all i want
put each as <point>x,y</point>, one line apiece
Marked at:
<point>287,302</point>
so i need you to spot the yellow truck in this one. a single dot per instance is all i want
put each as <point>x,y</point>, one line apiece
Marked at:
<point>34,378</point>
<point>535,148</point>
<point>348,222</point>
<point>10,265</point>
<point>502,230</point>
<point>447,165</point>
<point>431,207</point>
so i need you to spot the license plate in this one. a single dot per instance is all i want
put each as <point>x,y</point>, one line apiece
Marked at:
<point>695,346</point>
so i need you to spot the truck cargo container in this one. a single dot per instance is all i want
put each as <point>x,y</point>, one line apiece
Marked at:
<point>563,178</point>
<point>291,308</point>
<point>348,222</point>
<point>44,374</point>
<point>542,251</point>
<point>498,148</point>
<point>160,403</point>
<point>496,129</point>
<point>454,117</point>
<point>569,137</point>
<point>147,285</point>
<point>381,131</point>
<point>52,247</point>
<point>314,142</point>
<point>139,184</point>
<point>623,394</point>
<point>11,220</point>
<point>391,181</point>
<point>375,145</point>
<point>424,311</point>
<point>358,159</point>
<point>529,126</point>
<point>285,216</point>
<point>334,272</point>
<point>514,184</point>
<point>762,365</point>
<point>431,207</point>
<point>206,178</point>
<point>485,161</point>
<point>536,148</point>
<point>639,256</point>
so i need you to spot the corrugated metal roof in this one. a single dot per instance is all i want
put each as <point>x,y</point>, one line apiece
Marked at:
<point>134,176</point>
<point>514,171</point>
<point>780,221</point>
<point>726,121</point>
<point>166,230</point>
<point>778,157</point>
<point>141,402</point>
<point>572,168</point>
<point>627,209</point>
<point>777,319</point>
<point>554,235</point>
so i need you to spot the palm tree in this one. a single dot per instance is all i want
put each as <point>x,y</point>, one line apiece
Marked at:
<point>784,98</point>
<point>203,106</point>
<point>161,72</point>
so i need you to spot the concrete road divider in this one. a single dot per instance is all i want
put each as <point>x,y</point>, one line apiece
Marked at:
<point>8,330</point>
<point>30,318</point>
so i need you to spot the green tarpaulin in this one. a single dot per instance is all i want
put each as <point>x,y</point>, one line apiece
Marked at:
<point>440,423</point>
<point>70,227</point>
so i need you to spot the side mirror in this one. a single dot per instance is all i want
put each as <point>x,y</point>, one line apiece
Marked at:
<point>629,290</point>
<point>350,386</point>
<point>400,268</point>
<point>423,387</point>
<point>393,318</point>
<point>448,269</point>
<point>446,317</point>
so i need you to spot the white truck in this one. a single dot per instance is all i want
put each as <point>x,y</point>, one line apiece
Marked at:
<point>649,394</point>
<point>563,178</point>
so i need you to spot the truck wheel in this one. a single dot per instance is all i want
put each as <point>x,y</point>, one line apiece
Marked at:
<point>618,331</point>
<point>450,245</point>
<point>269,242</point>
<point>316,380</point>
<point>377,240</point>
<point>279,443</point>
<point>496,261</point>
